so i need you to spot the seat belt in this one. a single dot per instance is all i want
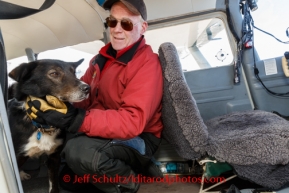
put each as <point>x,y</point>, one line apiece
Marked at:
<point>12,11</point>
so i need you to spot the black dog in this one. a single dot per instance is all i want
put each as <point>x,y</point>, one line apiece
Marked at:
<point>38,79</point>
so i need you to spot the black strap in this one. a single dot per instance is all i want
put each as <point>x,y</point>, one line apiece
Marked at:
<point>230,21</point>
<point>3,67</point>
<point>237,64</point>
<point>12,11</point>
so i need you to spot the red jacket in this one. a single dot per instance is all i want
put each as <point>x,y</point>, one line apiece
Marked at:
<point>126,100</point>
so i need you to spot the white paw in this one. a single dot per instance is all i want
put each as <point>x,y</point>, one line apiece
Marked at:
<point>50,185</point>
<point>24,176</point>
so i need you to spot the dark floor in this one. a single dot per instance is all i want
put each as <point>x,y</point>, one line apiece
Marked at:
<point>172,188</point>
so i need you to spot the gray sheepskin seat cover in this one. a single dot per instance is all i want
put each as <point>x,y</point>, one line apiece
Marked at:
<point>255,143</point>
<point>249,137</point>
<point>180,109</point>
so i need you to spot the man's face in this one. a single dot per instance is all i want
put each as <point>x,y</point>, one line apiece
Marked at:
<point>120,38</point>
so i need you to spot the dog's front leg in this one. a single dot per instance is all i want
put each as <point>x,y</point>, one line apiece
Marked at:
<point>21,159</point>
<point>53,164</point>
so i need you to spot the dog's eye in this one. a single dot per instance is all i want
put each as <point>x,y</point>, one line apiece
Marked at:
<point>54,74</point>
<point>72,70</point>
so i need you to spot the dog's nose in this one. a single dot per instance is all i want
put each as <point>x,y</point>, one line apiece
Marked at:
<point>85,88</point>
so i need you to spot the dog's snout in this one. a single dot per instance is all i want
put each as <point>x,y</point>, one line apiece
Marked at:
<point>85,88</point>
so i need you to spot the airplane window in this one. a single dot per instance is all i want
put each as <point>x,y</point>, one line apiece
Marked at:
<point>200,44</point>
<point>272,17</point>
<point>69,54</point>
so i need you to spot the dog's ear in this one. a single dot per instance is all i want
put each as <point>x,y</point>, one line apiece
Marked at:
<point>75,64</point>
<point>23,71</point>
<point>12,90</point>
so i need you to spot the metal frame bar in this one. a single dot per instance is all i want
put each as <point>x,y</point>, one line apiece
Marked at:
<point>204,162</point>
<point>8,161</point>
<point>217,184</point>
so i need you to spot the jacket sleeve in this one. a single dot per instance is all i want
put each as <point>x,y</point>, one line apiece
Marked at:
<point>141,100</point>
<point>89,75</point>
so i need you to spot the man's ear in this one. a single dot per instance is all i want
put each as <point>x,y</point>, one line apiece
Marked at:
<point>23,71</point>
<point>144,27</point>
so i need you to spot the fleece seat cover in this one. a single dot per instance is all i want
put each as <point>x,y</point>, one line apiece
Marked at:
<point>249,137</point>
<point>266,175</point>
<point>183,125</point>
<point>255,143</point>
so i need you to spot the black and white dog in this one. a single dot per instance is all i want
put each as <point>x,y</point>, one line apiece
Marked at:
<point>38,79</point>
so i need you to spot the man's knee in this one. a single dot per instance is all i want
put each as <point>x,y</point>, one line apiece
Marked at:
<point>81,154</point>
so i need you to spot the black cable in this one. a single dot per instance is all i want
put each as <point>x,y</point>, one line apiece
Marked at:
<point>272,35</point>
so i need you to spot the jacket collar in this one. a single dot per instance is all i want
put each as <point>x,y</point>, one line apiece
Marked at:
<point>124,56</point>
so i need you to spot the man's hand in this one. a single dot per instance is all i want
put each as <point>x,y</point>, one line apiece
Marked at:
<point>55,113</point>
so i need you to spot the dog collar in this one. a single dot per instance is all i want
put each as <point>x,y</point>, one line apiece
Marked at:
<point>39,134</point>
<point>38,125</point>
<point>43,129</point>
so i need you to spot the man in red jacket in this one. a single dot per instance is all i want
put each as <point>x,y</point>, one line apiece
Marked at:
<point>121,119</point>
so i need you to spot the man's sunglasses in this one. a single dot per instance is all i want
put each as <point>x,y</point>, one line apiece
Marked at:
<point>126,24</point>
